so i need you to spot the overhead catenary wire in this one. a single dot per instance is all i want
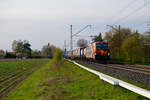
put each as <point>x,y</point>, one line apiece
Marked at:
<point>141,24</point>
<point>73,35</point>
<point>125,8</point>
<point>82,30</point>
<point>85,36</point>
<point>133,12</point>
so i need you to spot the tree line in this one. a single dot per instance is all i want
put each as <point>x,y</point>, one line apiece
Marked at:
<point>129,45</point>
<point>22,49</point>
<point>125,46</point>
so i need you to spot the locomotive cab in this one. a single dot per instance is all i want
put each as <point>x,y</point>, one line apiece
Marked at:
<point>102,51</point>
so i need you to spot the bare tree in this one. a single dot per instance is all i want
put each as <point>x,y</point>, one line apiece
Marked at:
<point>82,43</point>
<point>47,51</point>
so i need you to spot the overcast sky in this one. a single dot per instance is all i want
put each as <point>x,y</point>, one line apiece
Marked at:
<point>43,21</point>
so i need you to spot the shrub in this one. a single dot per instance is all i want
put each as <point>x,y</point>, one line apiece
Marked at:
<point>132,49</point>
<point>58,55</point>
<point>10,55</point>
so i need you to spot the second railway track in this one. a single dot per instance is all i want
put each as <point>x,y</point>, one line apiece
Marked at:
<point>130,72</point>
<point>128,68</point>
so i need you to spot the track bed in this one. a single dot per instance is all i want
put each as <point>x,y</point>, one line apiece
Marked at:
<point>135,73</point>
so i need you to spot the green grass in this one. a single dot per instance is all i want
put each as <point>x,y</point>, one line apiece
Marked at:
<point>3,89</point>
<point>10,67</point>
<point>124,79</point>
<point>65,81</point>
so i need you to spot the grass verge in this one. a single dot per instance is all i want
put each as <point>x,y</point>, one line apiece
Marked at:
<point>65,81</point>
<point>123,79</point>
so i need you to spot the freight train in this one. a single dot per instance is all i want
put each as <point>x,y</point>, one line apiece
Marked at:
<point>94,51</point>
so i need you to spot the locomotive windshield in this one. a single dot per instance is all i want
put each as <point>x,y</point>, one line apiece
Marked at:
<point>102,46</point>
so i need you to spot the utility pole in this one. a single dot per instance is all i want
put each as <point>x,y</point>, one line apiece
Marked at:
<point>65,47</point>
<point>149,25</point>
<point>119,41</point>
<point>72,35</point>
<point>71,47</point>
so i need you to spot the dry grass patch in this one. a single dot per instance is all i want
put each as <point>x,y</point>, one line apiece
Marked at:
<point>55,79</point>
<point>56,94</point>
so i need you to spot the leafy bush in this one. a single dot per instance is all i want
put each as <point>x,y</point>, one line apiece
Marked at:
<point>132,49</point>
<point>58,55</point>
<point>10,55</point>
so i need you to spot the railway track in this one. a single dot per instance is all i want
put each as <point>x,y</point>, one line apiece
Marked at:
<point>12,81</point>
<point>128,68</point>
<point>139,74</point>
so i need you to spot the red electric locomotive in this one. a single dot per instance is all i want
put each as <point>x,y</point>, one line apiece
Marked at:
<point>94,51</point>
<point>97,51</point>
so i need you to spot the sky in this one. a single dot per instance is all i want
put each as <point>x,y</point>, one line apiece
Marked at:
<point>48,21</point>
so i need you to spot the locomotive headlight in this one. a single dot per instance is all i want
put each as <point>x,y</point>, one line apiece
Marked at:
<point>108,54</point>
